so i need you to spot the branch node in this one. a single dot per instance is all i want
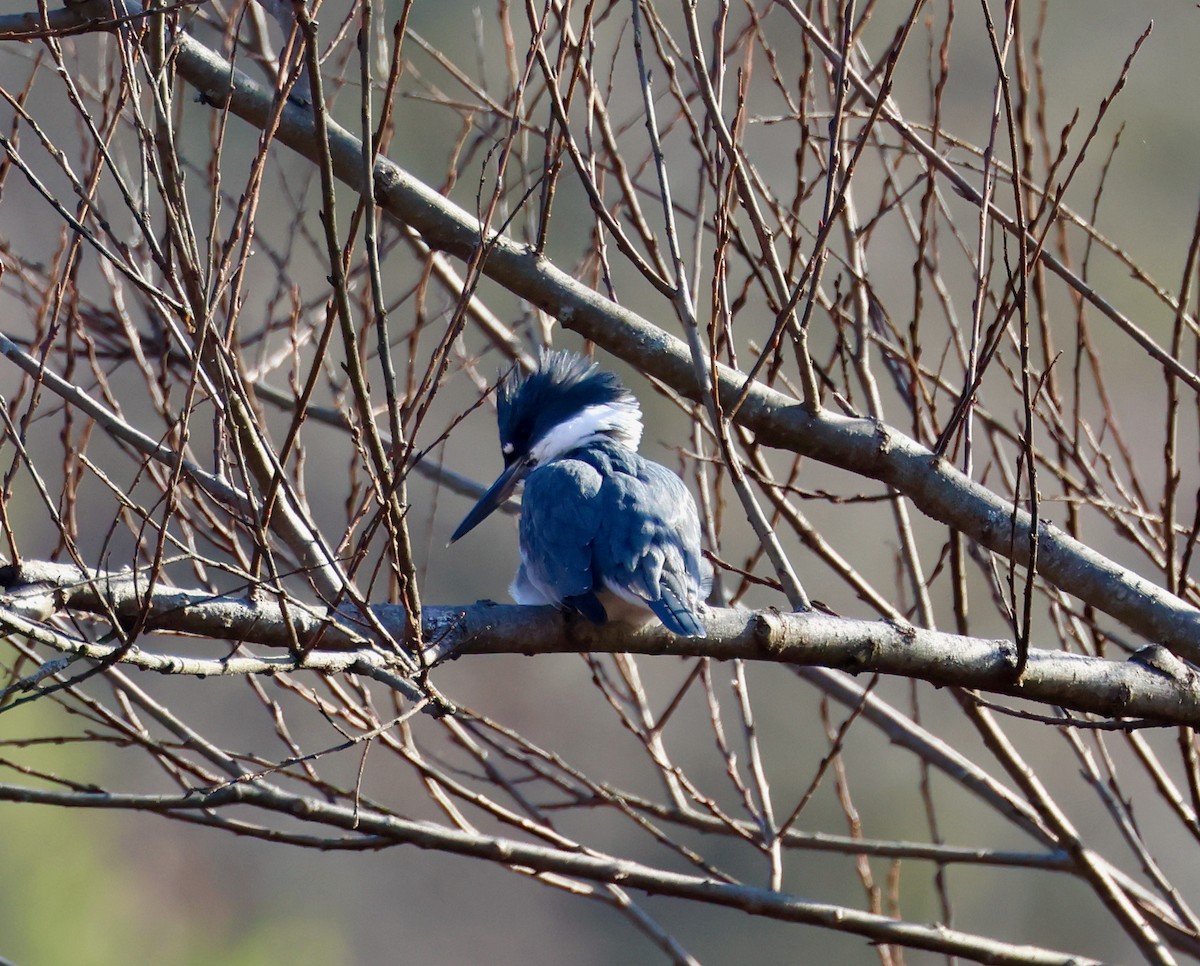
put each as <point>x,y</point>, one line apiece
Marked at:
<point>1155,657</point>
<point>767,629</point>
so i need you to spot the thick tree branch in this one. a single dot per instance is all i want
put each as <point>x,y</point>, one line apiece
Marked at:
<point>1153,685</point>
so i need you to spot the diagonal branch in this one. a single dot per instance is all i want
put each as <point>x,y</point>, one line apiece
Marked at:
<point>866,447</point>
<point>861,446</point>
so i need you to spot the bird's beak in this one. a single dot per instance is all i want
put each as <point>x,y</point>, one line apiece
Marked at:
<point>499,491</point>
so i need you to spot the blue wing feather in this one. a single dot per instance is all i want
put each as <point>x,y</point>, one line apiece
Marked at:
<point>675,615</point>
<point>605,519</point>
<point>649,543</point>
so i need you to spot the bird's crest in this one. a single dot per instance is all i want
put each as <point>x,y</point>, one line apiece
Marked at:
<point>562,388</point>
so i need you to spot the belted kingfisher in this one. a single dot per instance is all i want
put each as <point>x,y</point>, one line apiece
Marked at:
<point>604,531</point>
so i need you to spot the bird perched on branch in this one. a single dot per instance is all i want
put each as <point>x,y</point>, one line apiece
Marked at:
<point>604,531</point>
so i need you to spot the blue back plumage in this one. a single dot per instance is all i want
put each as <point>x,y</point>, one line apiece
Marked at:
<point>602,518</point>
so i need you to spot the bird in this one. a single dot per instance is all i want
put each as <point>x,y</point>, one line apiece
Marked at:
<point>604,532</point>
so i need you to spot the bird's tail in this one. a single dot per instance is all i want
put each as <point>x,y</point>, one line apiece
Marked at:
<point>676,616</point>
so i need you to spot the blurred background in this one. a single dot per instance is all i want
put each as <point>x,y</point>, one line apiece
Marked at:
<point>101,887</point>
